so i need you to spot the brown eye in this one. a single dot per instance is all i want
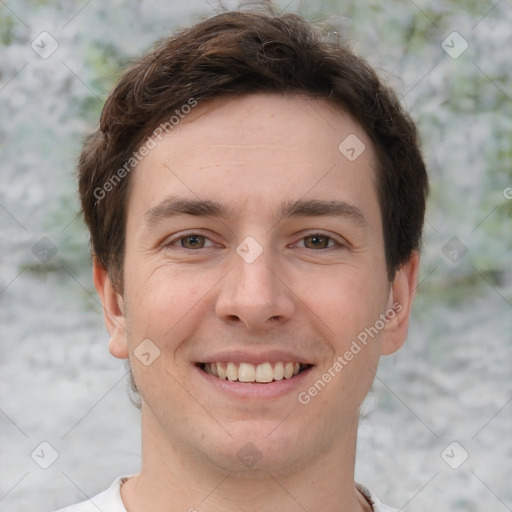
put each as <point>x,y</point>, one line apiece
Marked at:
<point>317,242</point>
<point>192,242</point>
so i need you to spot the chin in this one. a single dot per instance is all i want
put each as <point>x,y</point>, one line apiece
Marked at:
<point>252,450</point>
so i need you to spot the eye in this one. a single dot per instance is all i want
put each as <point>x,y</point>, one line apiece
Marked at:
<point>318,241</point>
<point>191,241</point>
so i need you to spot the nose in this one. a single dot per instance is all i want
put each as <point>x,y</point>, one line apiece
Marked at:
<point>255,295</point>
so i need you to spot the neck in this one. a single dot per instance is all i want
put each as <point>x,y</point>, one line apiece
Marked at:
<point>175,478</point>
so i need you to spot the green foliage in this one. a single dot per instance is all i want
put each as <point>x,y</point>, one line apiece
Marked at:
<point>6,27</point>
<point>104,65</point>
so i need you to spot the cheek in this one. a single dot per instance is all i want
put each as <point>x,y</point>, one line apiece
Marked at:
<point>347,309</point>
<point>166,307</point>
<point>346,301</point>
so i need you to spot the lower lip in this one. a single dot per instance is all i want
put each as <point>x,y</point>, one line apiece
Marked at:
<point>249,390</point>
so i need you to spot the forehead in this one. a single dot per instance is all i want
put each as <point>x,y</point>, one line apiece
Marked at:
<point>306,121</point>
<point>258,146</point>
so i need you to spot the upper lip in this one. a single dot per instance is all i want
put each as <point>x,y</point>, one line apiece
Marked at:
<point>243,356</point>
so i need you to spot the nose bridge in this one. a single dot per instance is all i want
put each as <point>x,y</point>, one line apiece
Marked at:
<point>253,293</point>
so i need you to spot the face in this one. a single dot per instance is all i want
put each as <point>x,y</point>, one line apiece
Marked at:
<point>254,268</point>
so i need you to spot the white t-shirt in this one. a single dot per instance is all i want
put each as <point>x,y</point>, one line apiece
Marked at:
<point>110,500</point>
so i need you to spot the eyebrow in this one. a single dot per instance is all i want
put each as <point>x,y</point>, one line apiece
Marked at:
<point>318,208</point>
<point>174,206</point>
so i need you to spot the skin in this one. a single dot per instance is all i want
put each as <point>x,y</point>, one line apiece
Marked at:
<point>311,296</point>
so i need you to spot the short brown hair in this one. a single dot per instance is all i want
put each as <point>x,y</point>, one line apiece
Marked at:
<point>238,53</point>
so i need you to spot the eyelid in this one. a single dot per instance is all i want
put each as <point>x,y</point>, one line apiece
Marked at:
<point>337,239</point>
<point>173,239</point>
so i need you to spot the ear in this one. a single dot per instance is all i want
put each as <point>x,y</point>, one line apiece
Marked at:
<point>401,297</point>
<point>113,311</point>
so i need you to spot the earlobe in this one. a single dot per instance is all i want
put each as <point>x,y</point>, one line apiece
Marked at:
<point>118,348</point>
<point>113,311</point>
<point>400,302</point>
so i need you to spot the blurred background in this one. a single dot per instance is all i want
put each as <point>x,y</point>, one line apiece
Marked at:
<point>436,429</point>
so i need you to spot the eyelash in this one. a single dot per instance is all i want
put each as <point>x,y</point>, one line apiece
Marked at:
<point>173,242</point>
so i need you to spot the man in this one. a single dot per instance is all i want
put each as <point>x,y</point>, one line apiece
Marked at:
<point>255,198</point>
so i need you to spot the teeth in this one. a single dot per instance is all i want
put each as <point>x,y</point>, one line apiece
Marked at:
<point>264,373</point>
<point>232,371</point>
<point>246,372</point>
<point>278,371</point>
<point>220,370</point>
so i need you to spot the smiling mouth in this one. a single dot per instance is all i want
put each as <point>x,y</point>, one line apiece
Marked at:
<point>250,373</point>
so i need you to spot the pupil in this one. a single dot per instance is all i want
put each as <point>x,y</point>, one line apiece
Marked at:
<point>191,241</point>
<point>318,240</point>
